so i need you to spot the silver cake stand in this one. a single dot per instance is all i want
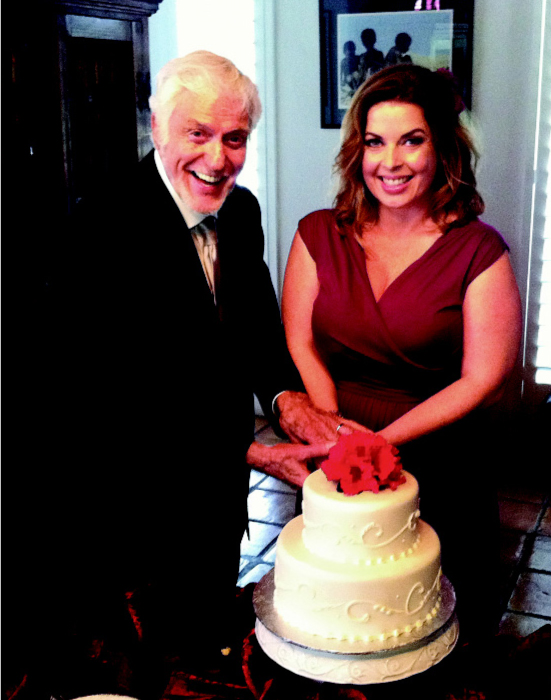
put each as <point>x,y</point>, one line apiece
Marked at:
<point>345,662</point>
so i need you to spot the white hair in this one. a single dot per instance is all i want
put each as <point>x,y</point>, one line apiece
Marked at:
<point>201,72</point>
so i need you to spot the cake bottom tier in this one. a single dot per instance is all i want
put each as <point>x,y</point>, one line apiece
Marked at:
<point>355,601</point>
<point>357,669</point>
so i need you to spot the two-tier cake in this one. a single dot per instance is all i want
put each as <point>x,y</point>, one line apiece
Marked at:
<point>360,574</point>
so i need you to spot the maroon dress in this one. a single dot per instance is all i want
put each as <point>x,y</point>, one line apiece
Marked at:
<point>388,356</point>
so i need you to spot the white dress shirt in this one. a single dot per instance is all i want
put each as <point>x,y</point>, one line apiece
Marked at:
<point>206,249</point>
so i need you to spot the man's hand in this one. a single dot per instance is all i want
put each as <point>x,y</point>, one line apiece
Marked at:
<point>305,423</point>
<point>284,461</point>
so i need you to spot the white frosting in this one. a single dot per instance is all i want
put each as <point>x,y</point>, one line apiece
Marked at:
<point>356,669</point>
<point>369,528</point>
<point>357,567</point>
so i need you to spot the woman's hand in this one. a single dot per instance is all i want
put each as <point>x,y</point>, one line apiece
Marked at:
<point>284,461</point>
<point>303,422</point>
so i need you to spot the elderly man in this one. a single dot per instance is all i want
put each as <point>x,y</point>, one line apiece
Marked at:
<point>216,339</point>
<point>164,325</point>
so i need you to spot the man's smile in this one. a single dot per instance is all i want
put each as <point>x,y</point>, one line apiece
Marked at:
<point>208,179</point>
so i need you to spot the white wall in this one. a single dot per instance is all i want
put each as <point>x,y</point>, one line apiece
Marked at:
<point>163,37</point>
<point>305,151</point>
<point>506,54</point>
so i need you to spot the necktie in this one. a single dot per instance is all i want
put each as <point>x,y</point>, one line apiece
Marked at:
<point>205,235</point>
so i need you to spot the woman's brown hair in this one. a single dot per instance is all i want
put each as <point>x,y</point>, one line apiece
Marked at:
<point>454,196</point>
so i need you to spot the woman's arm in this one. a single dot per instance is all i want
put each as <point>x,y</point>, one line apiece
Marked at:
<point>300,290</point>
<point>491,336</point>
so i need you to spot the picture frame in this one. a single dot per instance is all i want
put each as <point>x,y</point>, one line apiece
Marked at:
<point>358,37</point>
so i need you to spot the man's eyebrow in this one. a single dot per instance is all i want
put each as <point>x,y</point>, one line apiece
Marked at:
<point>239,130</point>
<point>194,124</point>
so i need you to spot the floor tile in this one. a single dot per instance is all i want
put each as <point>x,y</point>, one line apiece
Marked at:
<point>256,478</point>
<point>540,557</point>
<point>271,506</point>
<point>545,526</point>
<point>254,575</point>
<point>270,555</point>
<point>261,536</point>
<point>514,515</point>
<point>260,423</point>
<point>521,492</point>
<point>510,546</point>
<point>243,563</point>
<point>272,484</point>
<point>520,625</point>
<point>532,594</point>
<point>267,437</point>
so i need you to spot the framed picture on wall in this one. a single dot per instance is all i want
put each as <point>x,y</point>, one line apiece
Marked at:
<point>359,37</point>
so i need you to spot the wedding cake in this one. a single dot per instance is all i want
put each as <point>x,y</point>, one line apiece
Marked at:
<point>359,565</point>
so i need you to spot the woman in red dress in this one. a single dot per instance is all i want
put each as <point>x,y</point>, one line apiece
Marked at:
<point>402,312</point>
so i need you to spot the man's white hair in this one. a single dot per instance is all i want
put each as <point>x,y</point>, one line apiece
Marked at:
<point>201,72</point>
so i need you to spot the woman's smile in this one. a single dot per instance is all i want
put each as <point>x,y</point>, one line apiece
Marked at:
<point>395,185</point>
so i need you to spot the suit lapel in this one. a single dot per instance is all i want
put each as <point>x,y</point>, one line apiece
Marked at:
<point>178,262</point>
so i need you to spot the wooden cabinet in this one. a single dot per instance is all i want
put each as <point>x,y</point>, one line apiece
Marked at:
<point>77,102</point>
<point>75,107</point>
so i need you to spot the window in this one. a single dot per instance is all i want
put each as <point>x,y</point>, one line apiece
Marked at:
<point>537,349</point>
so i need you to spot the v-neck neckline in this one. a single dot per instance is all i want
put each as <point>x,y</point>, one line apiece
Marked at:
<point>402,274</point>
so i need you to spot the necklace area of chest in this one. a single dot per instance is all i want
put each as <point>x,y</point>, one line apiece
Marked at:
<point>386,259</point>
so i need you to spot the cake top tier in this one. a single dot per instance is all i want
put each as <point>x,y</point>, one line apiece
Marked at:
<point>367,528</point>
<point>318,485</point>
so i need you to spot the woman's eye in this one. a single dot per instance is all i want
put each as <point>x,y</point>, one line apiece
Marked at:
<point>372,143</point>
<point>415,141</point>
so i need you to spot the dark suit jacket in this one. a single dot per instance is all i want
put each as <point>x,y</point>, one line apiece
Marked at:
<point>149,407</point>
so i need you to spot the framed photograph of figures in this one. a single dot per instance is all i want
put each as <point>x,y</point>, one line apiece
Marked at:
<point>359,37</point>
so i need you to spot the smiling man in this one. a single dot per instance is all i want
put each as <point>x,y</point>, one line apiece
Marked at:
<point>184,302</point>
<point>164,326</point>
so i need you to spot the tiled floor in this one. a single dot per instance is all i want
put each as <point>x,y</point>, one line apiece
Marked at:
<point>525,595</point>
<point>525,514</point>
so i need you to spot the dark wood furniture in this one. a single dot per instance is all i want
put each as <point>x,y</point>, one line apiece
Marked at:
<point>78,96</point>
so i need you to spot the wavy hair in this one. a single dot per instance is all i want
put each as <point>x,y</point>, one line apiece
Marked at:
<point>202,72</point>
<point>453,194</point>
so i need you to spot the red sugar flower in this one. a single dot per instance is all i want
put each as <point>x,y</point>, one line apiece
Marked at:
<point>363,462</point>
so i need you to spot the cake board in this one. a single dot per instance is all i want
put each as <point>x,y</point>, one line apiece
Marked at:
<point>359,663</point>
